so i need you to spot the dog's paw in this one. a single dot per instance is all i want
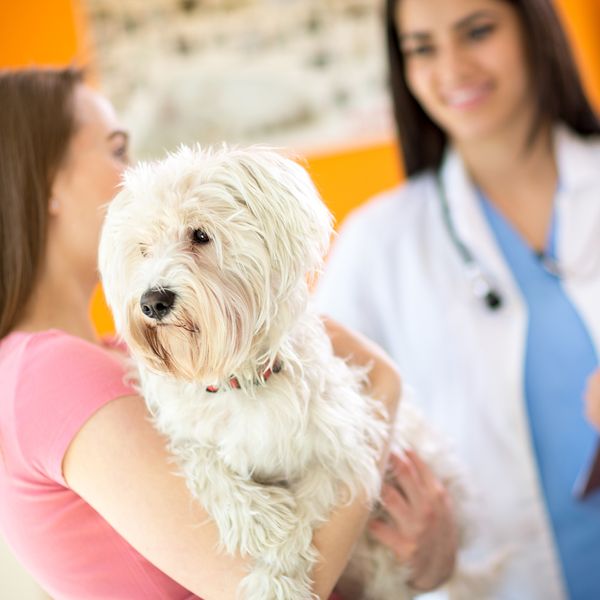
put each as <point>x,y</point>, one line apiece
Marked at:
<point>295,554</point>
<point>272,521</point>
<point>257,519</point>
<point>265,584</point>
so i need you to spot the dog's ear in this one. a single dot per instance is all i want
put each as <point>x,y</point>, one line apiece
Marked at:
<point>297,224</point>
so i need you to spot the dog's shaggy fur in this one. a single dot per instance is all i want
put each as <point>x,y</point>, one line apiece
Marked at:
<point>227,240</point>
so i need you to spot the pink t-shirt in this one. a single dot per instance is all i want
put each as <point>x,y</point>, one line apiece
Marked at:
<point>50,384</point>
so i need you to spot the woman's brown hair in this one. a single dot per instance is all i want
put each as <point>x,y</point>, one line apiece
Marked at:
<point>36,124</point>
<point>558,89</point>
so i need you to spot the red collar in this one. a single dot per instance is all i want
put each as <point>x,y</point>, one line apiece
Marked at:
<point>235,384</point>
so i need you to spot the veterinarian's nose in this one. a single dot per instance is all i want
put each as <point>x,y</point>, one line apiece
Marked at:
<point>157,304</point>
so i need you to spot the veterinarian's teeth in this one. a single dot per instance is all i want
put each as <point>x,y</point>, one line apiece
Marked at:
<point>466,97</point>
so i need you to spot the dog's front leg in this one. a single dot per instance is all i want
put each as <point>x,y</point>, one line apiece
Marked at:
<point>251,518</point>
<point>285,572</point>
<point>260,521</point>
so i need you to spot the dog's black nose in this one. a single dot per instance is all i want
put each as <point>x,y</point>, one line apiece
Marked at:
<point>157,304</point>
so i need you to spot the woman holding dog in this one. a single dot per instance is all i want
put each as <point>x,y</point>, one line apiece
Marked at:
<point>481,274</point>
<point>88,499</point>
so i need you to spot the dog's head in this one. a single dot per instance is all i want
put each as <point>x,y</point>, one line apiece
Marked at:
<point>205,256</point>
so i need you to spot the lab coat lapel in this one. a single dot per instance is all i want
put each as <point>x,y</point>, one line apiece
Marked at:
<point>502,334</point>
<point>578,223</point>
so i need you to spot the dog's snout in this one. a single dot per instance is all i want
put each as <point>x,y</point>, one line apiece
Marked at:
<point>157,304</point>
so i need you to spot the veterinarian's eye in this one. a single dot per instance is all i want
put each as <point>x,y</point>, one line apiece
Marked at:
<point>418,50</point>
<point>199,236</point>
<point>481,32</point>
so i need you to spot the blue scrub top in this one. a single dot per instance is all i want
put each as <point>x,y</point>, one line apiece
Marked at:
<point>560,355</point>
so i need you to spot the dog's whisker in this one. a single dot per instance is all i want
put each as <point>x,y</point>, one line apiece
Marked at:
<point>187,328</point>
<point>190,328</point>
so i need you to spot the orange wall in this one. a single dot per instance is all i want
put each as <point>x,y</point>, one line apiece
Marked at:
<point>42,32</point>
<point>53,32</point>
<point>581,19</point>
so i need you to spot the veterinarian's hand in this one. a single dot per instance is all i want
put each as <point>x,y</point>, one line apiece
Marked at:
<point>592,400</point>
<point>422,532</point>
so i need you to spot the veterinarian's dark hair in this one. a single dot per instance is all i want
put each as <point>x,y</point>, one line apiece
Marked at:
<point>556,84</point>
<point>36,125</point>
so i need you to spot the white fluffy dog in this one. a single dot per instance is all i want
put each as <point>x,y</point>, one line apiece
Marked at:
<point>205,259</point>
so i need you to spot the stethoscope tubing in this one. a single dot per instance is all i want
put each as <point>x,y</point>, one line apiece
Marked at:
<point>481,287</point>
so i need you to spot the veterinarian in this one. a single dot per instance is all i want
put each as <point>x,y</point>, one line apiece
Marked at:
<point>89,501</point>
<point>481,274</point>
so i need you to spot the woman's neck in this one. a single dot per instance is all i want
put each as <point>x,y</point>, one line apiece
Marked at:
<point>509,159</point>
<point>60,301</point>
<point>518,176</point>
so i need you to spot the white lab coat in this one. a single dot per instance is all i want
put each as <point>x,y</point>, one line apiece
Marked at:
<point>395,275</point>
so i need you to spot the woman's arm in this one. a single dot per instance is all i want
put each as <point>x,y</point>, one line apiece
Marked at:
<point>422,532</point>
<point>384,380</point>
<point>119,464</point>
<point>336,539</point>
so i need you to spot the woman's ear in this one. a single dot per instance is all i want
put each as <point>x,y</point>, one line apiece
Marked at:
<point>59,189</point>
<point>53,207</point>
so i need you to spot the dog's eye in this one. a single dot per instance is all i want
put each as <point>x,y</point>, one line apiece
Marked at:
<point>143,250</point>
<point>199,236</point>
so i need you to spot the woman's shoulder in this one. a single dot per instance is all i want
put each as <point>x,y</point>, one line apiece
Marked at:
<point>45,348</point>
<point>578,157</point>
<point>57,360</point>
<point>588,142</point>
<point>54,383</point>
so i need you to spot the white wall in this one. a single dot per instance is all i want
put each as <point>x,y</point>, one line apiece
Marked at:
<point>293,73</point>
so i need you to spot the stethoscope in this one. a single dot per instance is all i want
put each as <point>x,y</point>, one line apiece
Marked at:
<point>481,284</point>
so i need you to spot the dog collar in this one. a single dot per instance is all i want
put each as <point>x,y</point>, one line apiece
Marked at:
<point>235,384</point>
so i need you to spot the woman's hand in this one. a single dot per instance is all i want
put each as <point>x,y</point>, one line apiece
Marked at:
<point>422,532</point>
<point>592,400</point>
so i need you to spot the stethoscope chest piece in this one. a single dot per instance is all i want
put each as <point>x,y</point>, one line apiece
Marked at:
<point>480,284</point>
